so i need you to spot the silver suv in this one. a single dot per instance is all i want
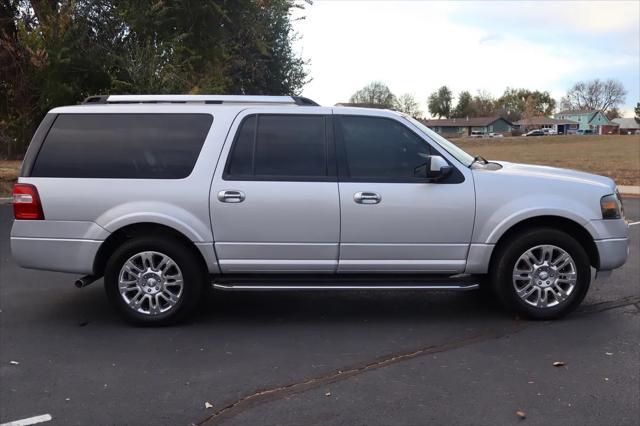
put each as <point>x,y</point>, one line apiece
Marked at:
<point>166,196</point>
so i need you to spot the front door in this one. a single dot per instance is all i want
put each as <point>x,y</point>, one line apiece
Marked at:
<point>392,221</point>
<point>274,201</point>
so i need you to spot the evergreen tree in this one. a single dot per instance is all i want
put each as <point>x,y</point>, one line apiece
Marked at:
<point>440,102</point>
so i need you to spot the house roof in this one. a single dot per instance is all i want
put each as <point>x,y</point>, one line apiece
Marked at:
<point>590,113</point>
<point>627,123</point>
<point>540,121</point>
<point>578,111</point>
<point>463,122</point>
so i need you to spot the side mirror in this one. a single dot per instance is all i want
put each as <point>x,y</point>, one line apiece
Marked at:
<point>436,168</point>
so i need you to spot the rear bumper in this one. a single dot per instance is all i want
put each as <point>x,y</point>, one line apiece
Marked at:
<point>55,254</point>
<point>612,253</point>
<point>56,245</point>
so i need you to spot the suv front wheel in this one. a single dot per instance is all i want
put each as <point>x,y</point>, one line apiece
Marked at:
<point>543,273</point>
<point>154,280</point>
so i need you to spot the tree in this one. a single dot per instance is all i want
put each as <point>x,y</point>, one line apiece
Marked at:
<point>440,102</point>
<point>407,104</point>
<point>637,112</point>
<point>376,94</point>
<point>530,108</point>
<point>613,113</point>
<point>594,95</point>
<point>518,103</point>
<point>484,105</point>
<point>57,52</point>
<point>464,107</point>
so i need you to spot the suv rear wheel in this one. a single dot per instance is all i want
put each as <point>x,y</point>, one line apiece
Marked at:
<point>542,273</point>
<point>154,280</point>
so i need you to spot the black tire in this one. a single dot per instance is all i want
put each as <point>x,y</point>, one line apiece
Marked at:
<point>194,282</point>
<point>502,270</point>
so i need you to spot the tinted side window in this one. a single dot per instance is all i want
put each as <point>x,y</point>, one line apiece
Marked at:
<point>381,148</point>
<point>279,146</point>
<point>241,160</point>
<point>134,146</point>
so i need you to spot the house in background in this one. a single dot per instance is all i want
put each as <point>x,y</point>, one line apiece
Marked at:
<point>592,120</point>
<point>628,126</point>
<point>561,127</point>
<point>453,127</point>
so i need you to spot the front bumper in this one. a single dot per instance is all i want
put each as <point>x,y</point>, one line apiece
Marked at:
<point>612,253</point>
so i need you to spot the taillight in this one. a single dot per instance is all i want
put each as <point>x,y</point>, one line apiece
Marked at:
<point>26,202</point>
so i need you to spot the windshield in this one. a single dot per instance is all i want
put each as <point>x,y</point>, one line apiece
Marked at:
<point>452,149</point>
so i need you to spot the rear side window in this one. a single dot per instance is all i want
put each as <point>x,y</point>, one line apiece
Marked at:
<point>280,147</point>
<point>129,146</point>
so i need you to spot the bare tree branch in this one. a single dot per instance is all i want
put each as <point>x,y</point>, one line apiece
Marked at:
<point>594,95</point>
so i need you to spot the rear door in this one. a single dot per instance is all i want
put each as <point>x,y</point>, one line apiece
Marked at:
<point>392,221</point>
<point>274,198</point>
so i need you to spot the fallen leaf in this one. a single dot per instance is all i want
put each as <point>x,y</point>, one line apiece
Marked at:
<point>530,382</point>
<point>606,379</point>
<point>208,405</point>
<point>608,353</point>
<point>559,364</point>
<point>14,362</point>
<point>327,394</point>
<point>521,414</point>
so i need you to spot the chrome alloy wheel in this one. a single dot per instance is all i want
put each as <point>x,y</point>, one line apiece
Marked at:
<point>150,283</point>
<point>544,276</point>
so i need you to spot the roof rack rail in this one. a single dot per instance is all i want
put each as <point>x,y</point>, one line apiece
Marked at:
<point>302,101</point>
<point>99,99</point>
<point>200,99</point>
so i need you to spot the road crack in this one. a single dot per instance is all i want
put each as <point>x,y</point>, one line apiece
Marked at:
<point>265,395</point>
<point>262,396</point>
<point>608,305</point>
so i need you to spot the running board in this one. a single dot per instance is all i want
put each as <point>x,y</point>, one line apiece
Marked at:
<point>268,287</point>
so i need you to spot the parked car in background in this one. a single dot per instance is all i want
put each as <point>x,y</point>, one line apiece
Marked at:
<point>547,131</point>
<point>165,196</point>
<point>477,134</point>
<point>536,132</point>
<point>495,135</point>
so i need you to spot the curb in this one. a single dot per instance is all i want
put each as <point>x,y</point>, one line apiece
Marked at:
<point>6,200</point>
<point>627,190</point>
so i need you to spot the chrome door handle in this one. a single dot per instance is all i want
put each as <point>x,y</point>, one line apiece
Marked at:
<point>231,196</point>
<point>367,198</point>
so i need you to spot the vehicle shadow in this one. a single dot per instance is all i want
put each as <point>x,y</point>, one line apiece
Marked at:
<point>89,305</point>
<point>347,306</point>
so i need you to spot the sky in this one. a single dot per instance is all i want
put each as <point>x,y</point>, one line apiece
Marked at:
<point>417,46</point>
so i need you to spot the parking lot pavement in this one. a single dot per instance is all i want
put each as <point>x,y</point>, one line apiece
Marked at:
<point>317,358</point>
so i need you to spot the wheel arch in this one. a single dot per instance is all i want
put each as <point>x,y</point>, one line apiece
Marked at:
<point>571,227</point>
<point>125,233</point>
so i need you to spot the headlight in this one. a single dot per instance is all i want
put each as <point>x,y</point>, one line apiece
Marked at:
<point>611,206</point>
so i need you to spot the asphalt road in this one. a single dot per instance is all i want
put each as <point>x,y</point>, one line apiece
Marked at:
<point>318,358</point>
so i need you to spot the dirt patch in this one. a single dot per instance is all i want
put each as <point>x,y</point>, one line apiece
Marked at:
<point>615,156</point>
<point>9,171</point>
